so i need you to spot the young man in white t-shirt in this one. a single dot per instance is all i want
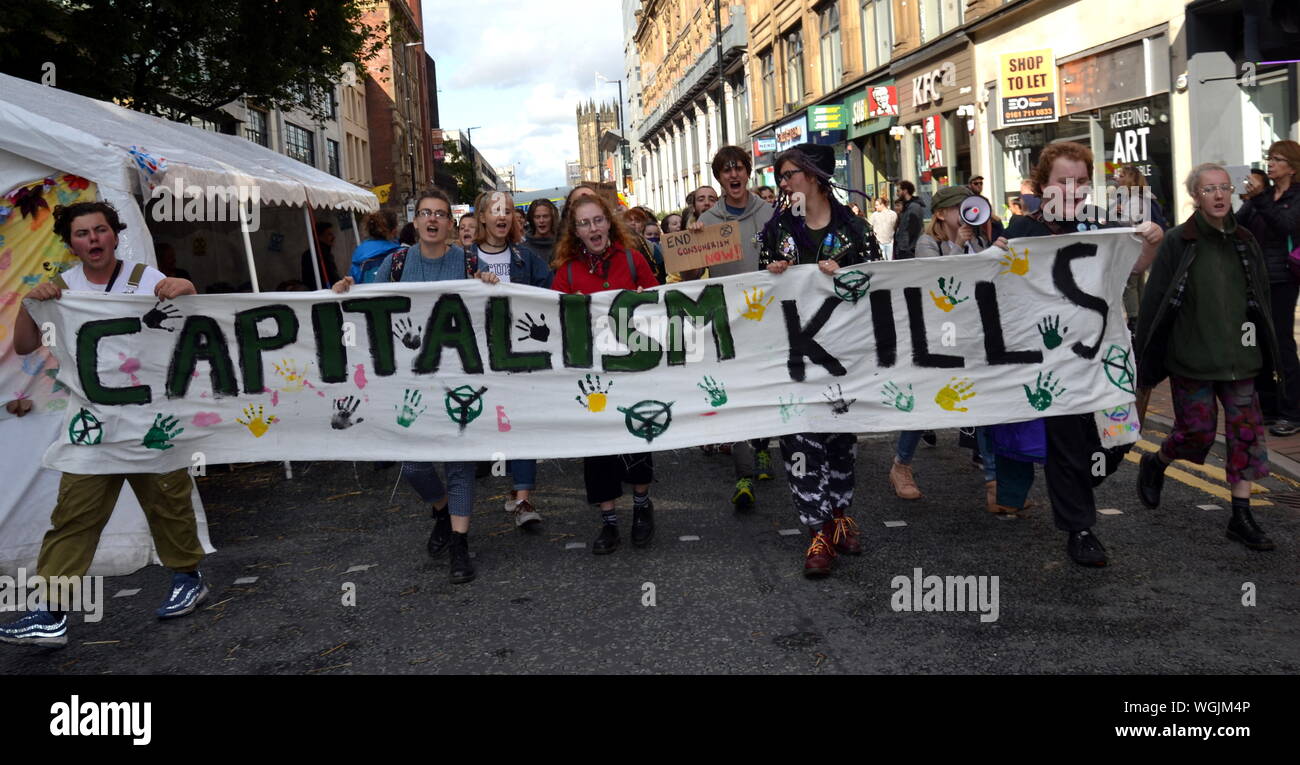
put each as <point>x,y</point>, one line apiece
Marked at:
<point>85,502</point>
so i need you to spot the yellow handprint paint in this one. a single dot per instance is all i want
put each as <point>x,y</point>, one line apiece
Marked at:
<point>754,305</point>
<point>294,380</point>
<point>257,423</point>
<point>1016,262</point>
<point>955,392</point>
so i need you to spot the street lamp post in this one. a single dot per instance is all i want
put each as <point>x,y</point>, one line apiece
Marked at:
<point>622,133</point>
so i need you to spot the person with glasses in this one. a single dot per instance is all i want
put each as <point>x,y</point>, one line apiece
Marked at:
<point>1274,219</point>
<point>497,250</point>
<point>823,232</point>
<point>1209,280</point>
<point>435,259</point>
<point>595,254</point>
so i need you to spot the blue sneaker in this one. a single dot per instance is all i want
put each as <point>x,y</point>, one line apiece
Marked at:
<point>37,628</point>
<point>188,591</point>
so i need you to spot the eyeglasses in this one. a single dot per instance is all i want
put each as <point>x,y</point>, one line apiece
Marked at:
<point>1226,188</point>
<point>599,220</point>
<point>439,214</point>
<point>787,175</point>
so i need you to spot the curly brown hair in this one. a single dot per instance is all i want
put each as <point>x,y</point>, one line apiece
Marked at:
<point>64,215</point>
<point>1054,151</point>
<point>569,247</point>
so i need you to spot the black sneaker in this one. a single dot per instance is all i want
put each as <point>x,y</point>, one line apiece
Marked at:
<point>441,534</point>
<point>1284,427</point>
<point>608,541</point>
<point>929,438</point>
<point>1085,548</point>
<point>643,524</point>
<point>462,568</point>
<point>1151,480</point>
<point>1242,528</point>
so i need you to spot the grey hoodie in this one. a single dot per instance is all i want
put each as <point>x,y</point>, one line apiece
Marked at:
<point>757,214</point>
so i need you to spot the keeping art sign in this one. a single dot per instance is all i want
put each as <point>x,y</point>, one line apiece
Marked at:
<point>469,371</point>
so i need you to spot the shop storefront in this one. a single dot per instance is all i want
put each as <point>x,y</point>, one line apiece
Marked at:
<point>936,109</point>
<point>1114,101</point>
<point>873,151</point>
<point>826,126</point>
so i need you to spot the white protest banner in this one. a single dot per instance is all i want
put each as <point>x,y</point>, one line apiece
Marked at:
<point>710,246</point>
<point>470,371</point>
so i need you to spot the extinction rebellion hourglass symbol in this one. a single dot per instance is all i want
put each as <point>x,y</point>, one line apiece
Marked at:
<point>85,429</point>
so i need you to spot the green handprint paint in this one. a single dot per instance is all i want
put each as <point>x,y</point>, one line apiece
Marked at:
<point>792,408</point>
<point>163,431</point>
<point>715,390</point>
<point>1046,389</point>
<point>406,413</point>
<point>1048,328</point>
<point>895,397</point>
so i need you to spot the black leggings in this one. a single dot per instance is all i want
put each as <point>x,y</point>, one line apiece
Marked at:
<point>605,475</point>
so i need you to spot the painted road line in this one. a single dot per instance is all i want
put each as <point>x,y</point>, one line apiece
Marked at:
<point>1197,483</point>
<point>1217,473</point>
<point>894,524</point>
<point>575,546</point>
<point>789,532</point>
<point>246,580</point>
<point>689,538</point>
<point>1110,511</point>
<point>1209,507</point>
<point>127,593</point>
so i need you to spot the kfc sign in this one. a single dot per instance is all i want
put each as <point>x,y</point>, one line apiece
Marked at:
<point>882,101</point>
<point>933,147</point>
<point>927,87</point>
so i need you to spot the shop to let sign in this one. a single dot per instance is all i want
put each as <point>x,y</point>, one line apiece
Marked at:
<point>1027,86</point>
<point>711,246</point>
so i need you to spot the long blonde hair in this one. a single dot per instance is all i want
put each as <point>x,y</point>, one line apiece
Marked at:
<point>481,203</point>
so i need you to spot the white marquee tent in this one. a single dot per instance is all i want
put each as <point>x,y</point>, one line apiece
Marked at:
<point>44,130</point>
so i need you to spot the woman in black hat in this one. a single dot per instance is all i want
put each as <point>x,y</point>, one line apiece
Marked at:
<point>811,226</point>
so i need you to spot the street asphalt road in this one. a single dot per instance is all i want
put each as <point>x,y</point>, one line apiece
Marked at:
<point>728,590</point>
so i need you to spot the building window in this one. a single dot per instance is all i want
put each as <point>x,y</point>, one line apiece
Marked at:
<point>299,144</point>
<point>205,124</point>
<point>877,34</point>
<point>332,155</point>
<point>938,17</point>
<point>793,67</point>
<point>832,53</point>
<point>334,105</point>
<point>767,66</point>
<point>255,130</point>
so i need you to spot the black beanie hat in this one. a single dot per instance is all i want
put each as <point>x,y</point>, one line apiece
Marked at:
<point>822,156</point>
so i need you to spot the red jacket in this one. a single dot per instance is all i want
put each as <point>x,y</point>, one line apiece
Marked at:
<point>620,277</point>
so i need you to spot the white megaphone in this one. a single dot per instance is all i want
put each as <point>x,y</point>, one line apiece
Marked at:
<point>975,210</point>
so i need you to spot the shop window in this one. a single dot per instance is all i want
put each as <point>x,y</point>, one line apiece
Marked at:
<point>832,54</point>
<point>877,34</point>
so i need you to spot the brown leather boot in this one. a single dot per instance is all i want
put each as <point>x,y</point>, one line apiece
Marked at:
<point>845,537</point>
<point>821,554</point>
<point>900,477</point>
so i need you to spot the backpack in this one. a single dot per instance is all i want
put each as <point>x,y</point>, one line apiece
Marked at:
<point>399,264</point>
<point>132,282</point>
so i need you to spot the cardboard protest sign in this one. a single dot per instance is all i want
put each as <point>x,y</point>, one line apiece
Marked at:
<point>689,250</point>
<point>464,370</point>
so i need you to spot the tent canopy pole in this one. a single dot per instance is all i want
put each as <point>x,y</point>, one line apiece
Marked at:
<point>248,243</point>
<point>311,244</point>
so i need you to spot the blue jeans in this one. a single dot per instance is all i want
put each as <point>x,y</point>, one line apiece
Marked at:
<point>909,439</point>
<point>524,474</point>
<point>423,477</point>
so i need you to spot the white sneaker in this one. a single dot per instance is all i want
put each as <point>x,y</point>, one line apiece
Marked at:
<point>525,515</point>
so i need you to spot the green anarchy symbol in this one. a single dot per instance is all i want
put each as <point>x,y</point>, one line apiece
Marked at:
<point>852,286</point>
<point>464,404</point>
<point>1118,363</point>
<point>85,429</point>
<point>648,419</point>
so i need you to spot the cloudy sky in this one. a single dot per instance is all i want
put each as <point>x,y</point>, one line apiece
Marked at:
<point>518,69</point>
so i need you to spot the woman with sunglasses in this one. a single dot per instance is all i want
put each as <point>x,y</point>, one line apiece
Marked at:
<point>596,254</point>
<point>435,259</point>
<point>829,235</point>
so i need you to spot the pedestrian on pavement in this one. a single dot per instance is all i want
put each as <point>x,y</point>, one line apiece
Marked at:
<point>883,221</point>
<point>731,169</point>
<point>671,223</point>
<point>1274,219</point>
<point>542,220</point>
<point>1256,183</point>
<point>766,194</point>
<point>702,199</point>
<point>1209,280</point>
<point>85,502</point>
<point>828,234</point>
<point>436,259</point>
<point>947,234</point>
<point>498,249</point>
<point>910,221</point>
<point>312,273</point>
<point>1064,444</point>
<point>595,254</point>
<point>1134,205</point>
<point>381,232</point>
